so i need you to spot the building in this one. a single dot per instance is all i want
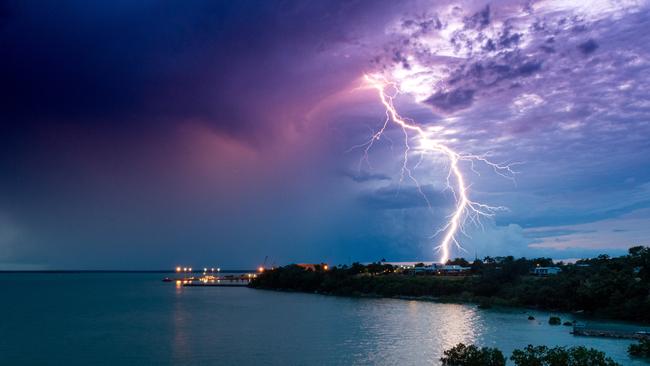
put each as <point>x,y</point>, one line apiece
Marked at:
<point>313,266</point>
<point>546,271</point>
<point>423,269</point>
<point>442,269</point>
<point>452,269</point>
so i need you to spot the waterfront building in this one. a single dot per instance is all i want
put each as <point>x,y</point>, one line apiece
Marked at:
<point>546,271</point>
<point>442,269</point>
<point>313,266</point>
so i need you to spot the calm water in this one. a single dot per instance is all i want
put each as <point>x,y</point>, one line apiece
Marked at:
<point>135,319</point>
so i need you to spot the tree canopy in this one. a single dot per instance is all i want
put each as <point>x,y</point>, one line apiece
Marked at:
<point>608,287</point>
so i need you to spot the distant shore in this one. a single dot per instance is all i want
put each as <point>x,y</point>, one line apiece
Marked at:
<point>603,287</point>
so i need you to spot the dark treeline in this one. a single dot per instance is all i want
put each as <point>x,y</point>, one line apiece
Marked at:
<point>607,287</point>
<point>471,355</point>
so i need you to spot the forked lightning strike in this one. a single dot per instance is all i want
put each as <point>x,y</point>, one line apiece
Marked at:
<point>465,208</point>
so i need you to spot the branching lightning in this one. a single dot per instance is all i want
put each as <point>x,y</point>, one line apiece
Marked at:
<point>465,209</point>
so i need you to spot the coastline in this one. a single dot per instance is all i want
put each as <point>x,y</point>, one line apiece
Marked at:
<point>499,305</point>
<point>600,288</point>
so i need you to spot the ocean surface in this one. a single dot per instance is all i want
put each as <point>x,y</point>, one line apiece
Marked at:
<point>135,319</point>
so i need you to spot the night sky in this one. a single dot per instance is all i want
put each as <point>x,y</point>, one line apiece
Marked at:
<point>141,135</point>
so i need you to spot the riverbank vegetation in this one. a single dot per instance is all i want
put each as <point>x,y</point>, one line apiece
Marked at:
<point>617,288</point>
<point>641,349</point>
<point>462,355</point>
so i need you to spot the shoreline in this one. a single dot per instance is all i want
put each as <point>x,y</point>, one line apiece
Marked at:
<point>599,288</point>
<point>458,301</point>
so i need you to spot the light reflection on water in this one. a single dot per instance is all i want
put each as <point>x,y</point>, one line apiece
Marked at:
<point>134,319</point>
<point>179,346</point>
<point>392,327</point>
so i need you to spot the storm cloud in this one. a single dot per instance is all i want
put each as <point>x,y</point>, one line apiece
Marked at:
<point>137,135</point>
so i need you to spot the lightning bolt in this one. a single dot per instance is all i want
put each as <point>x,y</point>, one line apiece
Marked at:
<point>465,209</point>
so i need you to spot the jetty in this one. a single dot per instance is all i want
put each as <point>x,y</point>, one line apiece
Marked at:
<point>587,331</point>
<point>202,284</point>
<point>186,277</point>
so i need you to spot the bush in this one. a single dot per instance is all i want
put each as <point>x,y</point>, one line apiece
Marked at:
<point>560,356</point>
<point>554,320</point>
<point>529,356</point>
<point>462,355</point>
<point>642,349</point>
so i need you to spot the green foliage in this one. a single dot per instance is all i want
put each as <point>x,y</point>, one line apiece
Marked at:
<point>603,286</point>
<point>554,320</point>
<point>641,349</point>
<point>462,355</point>
<point>529,356</point>
<point>560,356</point>
<point>470,355</point>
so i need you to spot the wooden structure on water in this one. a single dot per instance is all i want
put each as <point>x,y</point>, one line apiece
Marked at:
<point>202,284</point>
<point>242,280</point>
<point>584,330</point>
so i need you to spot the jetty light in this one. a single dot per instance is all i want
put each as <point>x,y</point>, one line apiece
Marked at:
<point>178,269</point>
<point>184,269</point>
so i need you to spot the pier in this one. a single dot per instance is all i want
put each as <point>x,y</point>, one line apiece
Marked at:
<point>201,284</point>
<point>210,278</point>
<point>210,281</point>
<point>584,330</point>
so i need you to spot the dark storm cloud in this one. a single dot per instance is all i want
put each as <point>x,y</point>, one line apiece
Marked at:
<point>548,233</point>
<point>453,100</point>
<point>114,116</point>
<point>508,39</point>
<point>231,65</point>
<point>423,25</point>
<point>529,67</point>
<point>406,197</point>
<point>473,78</point>
<point>4,12</point>
<point>131,132</point>
<point>479,20</point>
<point>491,57</point>
<point>577,216</point>
<point>588,47</point>
<point>489,73</point>
<point>365,176</point>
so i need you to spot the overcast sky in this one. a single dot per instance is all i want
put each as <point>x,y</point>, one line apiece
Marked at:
<point>141,135</point>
